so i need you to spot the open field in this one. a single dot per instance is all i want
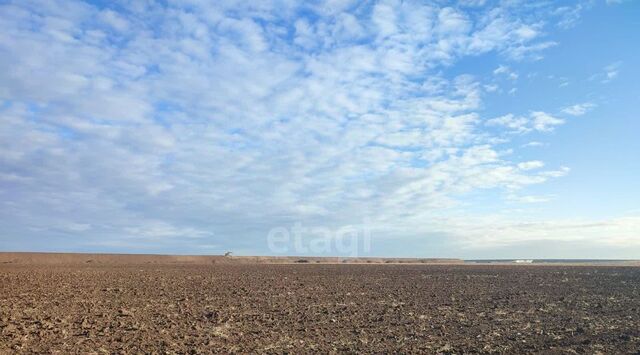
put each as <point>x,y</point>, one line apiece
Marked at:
<point>111,307</point>
<point>78,258</point>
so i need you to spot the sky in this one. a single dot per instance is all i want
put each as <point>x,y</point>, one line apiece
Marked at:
<point>471,129</point>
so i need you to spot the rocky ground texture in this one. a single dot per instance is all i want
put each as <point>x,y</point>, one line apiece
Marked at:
<point>301,308</point>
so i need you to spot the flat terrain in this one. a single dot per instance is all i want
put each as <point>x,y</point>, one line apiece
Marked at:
<point>298,308</point>
<point>77,258</point>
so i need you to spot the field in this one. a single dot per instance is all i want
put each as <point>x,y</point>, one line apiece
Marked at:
<point>190,307</point>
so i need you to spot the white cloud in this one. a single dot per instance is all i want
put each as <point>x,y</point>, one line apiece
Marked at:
<point>491,87</point>
<point>536,121</point>
<point>472,3</point>
<point>530,165</point>
<point>384,17</point>
<point>529,198</point>
<point>452,21</point>
<point>533,144</point>
<point>609,73</point>
<point>532,51</point>
<point>579,109</point>
<point>216,121</point>
<point>501,230</point>
<point>569,16</point>
<point>544,122</point>
<point>513,123</point>
<point>114,20</point>
<point>505,70</point>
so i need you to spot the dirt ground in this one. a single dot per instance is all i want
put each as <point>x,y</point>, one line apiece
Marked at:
<point>301,308</point>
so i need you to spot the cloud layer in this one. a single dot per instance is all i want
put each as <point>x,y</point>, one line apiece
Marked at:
<point>199,126</point>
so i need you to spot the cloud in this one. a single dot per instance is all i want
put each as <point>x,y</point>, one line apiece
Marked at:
<point>569,16</point>
<point>165,127</point>
<point>544,122</point>
<point>114,20</point>
<point>609,73</point>
<point>530,51</point>
<point>533,144</point>
<point>504,70</point>
<point>536,121</point>
<point>579,109</point>
<point>491,87</point>
<point>513,123</point>
<point>452,21</point>
<point>529,199</point>
<point>384,17</point>
<point>530,165</point>
<point>500,231</point>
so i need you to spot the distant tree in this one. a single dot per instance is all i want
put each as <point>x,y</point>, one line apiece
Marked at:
<point>228,254</point>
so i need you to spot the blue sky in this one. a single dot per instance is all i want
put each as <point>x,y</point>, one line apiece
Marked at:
<point>474,129</point>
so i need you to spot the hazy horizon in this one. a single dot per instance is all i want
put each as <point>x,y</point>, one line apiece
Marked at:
<point>473,129</point>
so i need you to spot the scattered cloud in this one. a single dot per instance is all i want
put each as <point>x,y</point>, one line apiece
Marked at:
<point>533,144</point>
<point>529,199</point>
<point>532,52</point>
<point>500,231</point>
<point>506,71</point>
<point>612,71</point>
<point>569,16</point>
<point>491,87</point>
<point>530,165</point>
<point>544,122</point>
<point>563,83</point>
<point>536,121</point>
<point>169,126</point>
<point>608,74</point>
<point>579,109</point>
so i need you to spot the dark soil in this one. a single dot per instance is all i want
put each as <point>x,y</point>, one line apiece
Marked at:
<point>302,308</point>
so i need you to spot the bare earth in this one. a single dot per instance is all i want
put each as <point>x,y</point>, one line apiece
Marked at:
<point>190,307</point>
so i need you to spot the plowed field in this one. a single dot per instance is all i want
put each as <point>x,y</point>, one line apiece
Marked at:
<point>300,308</point>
